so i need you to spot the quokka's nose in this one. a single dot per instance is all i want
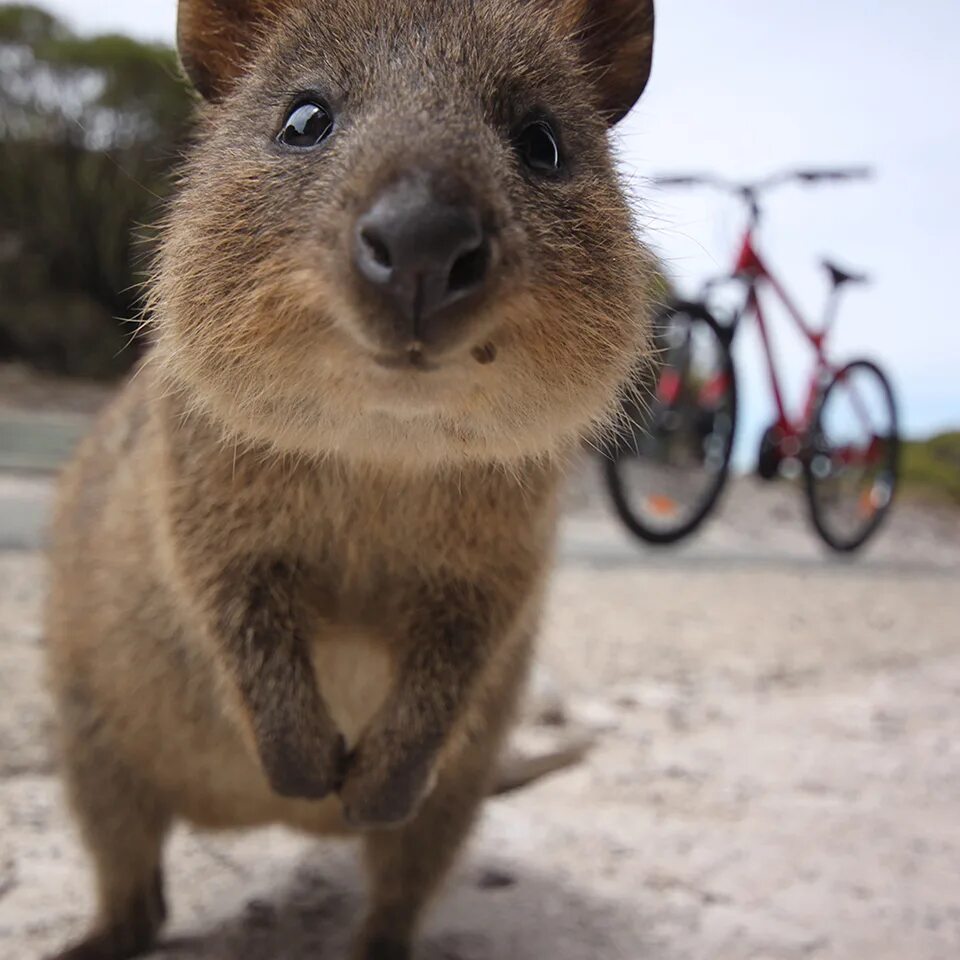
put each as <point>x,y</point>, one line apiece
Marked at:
<point>423,253</point>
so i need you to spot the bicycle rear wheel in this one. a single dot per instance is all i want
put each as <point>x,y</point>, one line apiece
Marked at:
<point>853,456</point>
<point>670,463</point>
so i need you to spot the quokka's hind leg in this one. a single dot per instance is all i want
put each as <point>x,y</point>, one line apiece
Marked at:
<point>123,824</point>
<point>406,865</point>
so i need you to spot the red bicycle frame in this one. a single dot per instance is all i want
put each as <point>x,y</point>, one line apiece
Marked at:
<point>751,268</point>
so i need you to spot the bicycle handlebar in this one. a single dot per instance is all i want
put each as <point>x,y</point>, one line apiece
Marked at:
<point>751,189</point>
<point>750,192</point>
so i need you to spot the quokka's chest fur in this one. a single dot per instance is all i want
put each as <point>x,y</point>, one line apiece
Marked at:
<point>362,548</point>
<point>366,539</point>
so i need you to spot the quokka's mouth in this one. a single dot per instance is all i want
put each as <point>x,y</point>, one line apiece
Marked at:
<point>412,358</point>
<point>419,358</point>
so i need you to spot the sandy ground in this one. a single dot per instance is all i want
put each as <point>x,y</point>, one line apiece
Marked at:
<point>777,772</point>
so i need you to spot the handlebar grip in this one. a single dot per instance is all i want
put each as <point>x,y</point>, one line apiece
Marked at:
<point>850,173</point>
<point>685,181</point>
<point>856,173</point>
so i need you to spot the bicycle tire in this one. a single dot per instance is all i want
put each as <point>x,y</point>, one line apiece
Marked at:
<point>817,514</point>
<point>616,482</point>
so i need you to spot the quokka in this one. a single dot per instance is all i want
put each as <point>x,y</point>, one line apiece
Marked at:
<point>298,565</point>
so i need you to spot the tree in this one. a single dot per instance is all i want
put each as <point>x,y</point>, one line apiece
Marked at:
<point>90,129</point>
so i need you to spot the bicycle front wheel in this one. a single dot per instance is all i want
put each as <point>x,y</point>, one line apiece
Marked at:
<point>670,463</point>
<point>853,456</point>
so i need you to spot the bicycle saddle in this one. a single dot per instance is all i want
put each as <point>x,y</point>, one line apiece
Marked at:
<point>839,276</point>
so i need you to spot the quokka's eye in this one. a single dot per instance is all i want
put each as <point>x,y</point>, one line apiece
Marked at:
<point>539,148</point>
<point>307,125</point>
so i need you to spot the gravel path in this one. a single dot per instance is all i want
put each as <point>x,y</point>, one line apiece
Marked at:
<point>777,773</point>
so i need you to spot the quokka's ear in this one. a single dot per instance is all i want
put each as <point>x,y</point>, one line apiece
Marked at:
<point>616,40</point>
<point>216,40</point>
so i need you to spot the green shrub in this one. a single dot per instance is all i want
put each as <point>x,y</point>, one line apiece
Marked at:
<point>931,468</point>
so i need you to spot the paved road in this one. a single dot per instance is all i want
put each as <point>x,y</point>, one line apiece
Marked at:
<point>24,511</point>
<point>757,527</point>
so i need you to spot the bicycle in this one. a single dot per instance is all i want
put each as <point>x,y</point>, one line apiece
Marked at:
<point>667,470</point>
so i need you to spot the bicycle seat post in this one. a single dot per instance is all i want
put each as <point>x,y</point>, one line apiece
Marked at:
<point>839,279</point>
<point>829,312</point>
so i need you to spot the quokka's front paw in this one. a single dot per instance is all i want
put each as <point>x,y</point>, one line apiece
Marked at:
<point>384,787</point>
<point>304,768</point>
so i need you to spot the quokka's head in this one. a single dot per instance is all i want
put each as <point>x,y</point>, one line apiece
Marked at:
<point>401,235</point>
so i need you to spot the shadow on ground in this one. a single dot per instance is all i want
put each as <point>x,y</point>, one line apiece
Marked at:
<point>494,911</point>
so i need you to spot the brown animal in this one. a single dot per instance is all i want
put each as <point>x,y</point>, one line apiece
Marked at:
<point>298,565</point>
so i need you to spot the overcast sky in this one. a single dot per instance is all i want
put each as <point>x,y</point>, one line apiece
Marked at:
<point>744,87</point>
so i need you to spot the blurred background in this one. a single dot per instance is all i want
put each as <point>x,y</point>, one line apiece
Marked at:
<point>776,760</point>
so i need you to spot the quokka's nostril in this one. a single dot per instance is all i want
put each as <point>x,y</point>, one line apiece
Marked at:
<point>378,249</point>
<point>469,269</point>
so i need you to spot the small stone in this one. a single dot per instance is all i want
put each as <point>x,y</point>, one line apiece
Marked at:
<point>493,879</point>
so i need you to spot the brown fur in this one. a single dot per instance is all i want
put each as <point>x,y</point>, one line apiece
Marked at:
<point>292,585</point>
